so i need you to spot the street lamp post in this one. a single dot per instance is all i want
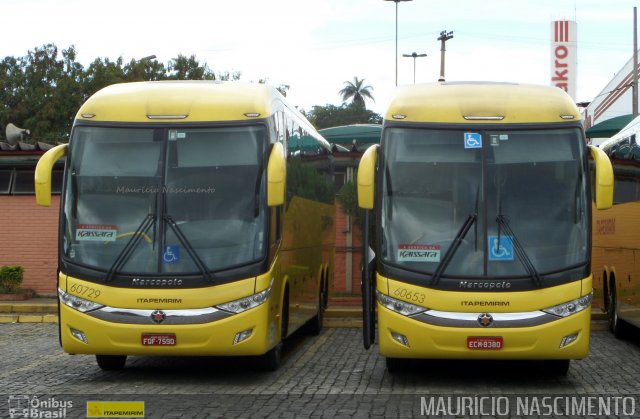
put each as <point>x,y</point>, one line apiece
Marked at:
<point>396,2</point>
<point>414,56</point>
<point>444,37</point>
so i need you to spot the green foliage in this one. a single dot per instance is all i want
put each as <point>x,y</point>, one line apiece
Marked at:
<point>306,182</point>
<point>357,91</point>
<point>43,90</point>
<point>10,278</point>
<point>348,198</point>
<point>334,116</point>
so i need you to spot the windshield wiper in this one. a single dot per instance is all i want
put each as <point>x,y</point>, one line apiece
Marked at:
<point>457,241</point>
<point>187,245</point>
<point>133,242</point>
<point>503,221</point>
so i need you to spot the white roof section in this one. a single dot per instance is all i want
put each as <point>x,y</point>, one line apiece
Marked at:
<point>614,100</point>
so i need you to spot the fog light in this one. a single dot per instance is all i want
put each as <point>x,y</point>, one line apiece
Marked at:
<point>240,336</point>
<point>402,339</point>
<point>79,335</point>
<point>568,340</point>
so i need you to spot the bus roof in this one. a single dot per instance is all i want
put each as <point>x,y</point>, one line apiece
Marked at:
<point>485,102</point>
<point>180,101</point>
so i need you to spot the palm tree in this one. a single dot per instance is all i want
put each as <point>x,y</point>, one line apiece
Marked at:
<point>357,91</point>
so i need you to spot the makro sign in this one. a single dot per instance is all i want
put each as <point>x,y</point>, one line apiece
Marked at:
<point>564,56</point>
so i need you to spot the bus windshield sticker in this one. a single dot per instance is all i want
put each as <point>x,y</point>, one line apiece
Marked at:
<point>418,253</point>
<point>96,232</point>
<point>472,140</point>
<point>495,140</point>
<point>504,137</point>
<point>171,254</point>
<point>500,249</point>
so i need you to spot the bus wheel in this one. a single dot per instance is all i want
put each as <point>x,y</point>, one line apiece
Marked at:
<point>272,359</point>
<point>558,367</point>
<point>394,365</point>
<point>325,291</point>
<point>111,362</point>
<point>314,326</point>
<point>616,325</point>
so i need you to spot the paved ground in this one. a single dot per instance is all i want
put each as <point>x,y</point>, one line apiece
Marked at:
<point>326,376</point>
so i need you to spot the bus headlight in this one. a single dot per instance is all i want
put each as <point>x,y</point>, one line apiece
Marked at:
<point>77,303</point>
<point>246,303</point>
<point>402,307</point>
<point>570,307</point>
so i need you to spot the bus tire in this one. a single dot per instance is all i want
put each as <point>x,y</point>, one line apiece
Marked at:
<point>314,326</point>
<point>394,365</point>
<point>616,325</point>
<point>557,367</point>
<point>325,290</point>
<point>273,358</point>
<point>111,362</point>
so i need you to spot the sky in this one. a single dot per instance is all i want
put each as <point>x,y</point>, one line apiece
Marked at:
<point>314,46</point>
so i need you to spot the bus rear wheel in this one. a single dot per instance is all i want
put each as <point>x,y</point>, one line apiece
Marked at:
<point>616,326</point>
<point>111,362</point>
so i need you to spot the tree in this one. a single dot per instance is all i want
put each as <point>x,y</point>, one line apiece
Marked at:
<point>357,92</point>
<point>183,68</point>
<point>333,116</point>
<point>102,73</point>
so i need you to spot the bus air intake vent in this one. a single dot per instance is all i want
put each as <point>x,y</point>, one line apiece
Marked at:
<point>167,116</point>
<point>483,118</point>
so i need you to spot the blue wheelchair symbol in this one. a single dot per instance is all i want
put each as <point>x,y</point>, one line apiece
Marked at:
<point>171,254</point>
<point>499,251</point>
<point>472,140</point>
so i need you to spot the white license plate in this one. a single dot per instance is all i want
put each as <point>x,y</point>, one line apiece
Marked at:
<point>485,343</point>
<point>158,339</point>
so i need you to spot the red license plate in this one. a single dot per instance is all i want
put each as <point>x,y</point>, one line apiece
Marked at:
<point>158,339</point>
<point>485,343</point>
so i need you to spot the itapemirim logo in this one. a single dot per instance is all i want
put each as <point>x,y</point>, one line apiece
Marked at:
<point>24,406</point>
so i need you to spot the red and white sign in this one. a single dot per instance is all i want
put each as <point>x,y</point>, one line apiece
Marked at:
<point>564,56</point>
<point>418,253</point>
<point>96,232</point>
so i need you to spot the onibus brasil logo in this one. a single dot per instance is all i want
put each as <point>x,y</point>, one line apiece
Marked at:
<point>23,406</point>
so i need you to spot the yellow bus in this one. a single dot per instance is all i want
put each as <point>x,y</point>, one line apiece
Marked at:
<point>480,194</point>
<point>194,221</point>
<point>616,234</point>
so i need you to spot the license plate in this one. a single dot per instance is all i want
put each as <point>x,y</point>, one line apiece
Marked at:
<point>158,339</point>
<point>485,343</point>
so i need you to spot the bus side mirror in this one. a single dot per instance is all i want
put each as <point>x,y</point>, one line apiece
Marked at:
<point>604,178</point>
<point>43,173</point>
<point>276,176</point>
<point>367,178</point>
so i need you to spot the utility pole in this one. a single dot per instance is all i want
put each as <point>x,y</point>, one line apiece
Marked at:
<point>634,87</point>
<point>414,55</point>
<point>444,37</point>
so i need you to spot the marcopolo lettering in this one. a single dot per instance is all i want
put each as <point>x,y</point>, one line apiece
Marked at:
<point>139,282</point>
<point>484,285</point>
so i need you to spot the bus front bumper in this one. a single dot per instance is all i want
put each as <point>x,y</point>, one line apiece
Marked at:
<point>252,332</point>
<point>405,337</point>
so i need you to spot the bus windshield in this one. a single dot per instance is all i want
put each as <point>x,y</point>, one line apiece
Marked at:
<point>164,200</point>
<point>484,203</point>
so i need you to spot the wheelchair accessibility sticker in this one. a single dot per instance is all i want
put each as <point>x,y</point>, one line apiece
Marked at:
<point>171,254</point>
<point>472,140</point>
<point>500,250</point>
